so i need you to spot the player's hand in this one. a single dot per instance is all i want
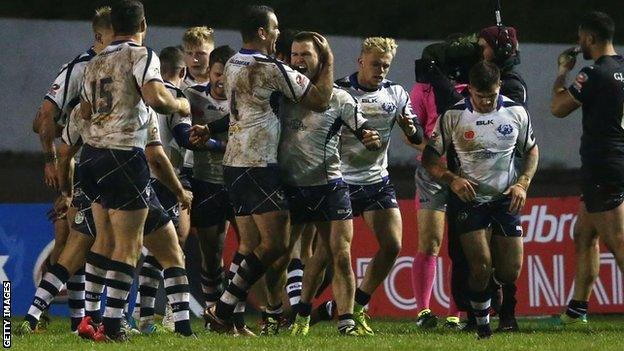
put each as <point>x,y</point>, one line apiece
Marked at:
<point>51,175</point>
<point>324,48</point>
<point>199,134</point>
<point>61,205</point>
<point>184,107</point>
<point>185,198</point>
<point>518,198</point>
<point>407,124</point>
<point>371,139</point>
<point>464,188</point>
<point>567,59</point>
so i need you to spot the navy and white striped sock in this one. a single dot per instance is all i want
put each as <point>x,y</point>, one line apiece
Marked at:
<point>118,284</point>
<point>294,282</point>
<point>251,269</point>
<point>48,288</point>
<point>76,298</point>
<point>212,283</point>
<point>150,276</point>
<point>95,281</point>
<point>178,294</point>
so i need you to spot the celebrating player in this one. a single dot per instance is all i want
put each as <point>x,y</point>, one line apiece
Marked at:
<point>485,131</point>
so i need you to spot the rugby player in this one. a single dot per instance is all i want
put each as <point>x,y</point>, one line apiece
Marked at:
<point>250,160</point>
<point>52,116</point>
<point>599,90</point>
<point>212,210</point>
<point>197,43</point>
<point>485,131</point>
<point>113,167</point>
<point>383,103</point>
<point>310,160</point>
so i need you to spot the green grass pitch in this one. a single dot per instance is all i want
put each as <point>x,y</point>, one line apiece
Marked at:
<point>602,333</point>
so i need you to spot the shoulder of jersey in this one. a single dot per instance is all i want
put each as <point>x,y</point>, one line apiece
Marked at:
<point>174,90</point>
<point>508,103</point>
<point>459,106</point>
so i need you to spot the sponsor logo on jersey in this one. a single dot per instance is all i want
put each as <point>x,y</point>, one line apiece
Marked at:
<point>485,123</point>
<point>300,80</point>
<point>469,135</point>
<point>80,217</point>
<point>53,89</point>
<point>617,76</point>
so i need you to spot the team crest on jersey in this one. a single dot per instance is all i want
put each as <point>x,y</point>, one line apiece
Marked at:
<point>389,107</point>
<point>79,218</point>
<point>505,131</point>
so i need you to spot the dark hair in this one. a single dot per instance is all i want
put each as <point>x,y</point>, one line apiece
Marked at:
<point>126,17</point>
<point>254,17</point>
<point>599,24</point>
<point>283,45</point>
<point>171,60</point>
<point>220,55</point>
<point>484,75</point>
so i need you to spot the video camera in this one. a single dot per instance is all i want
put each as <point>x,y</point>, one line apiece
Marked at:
<point>451,58</point>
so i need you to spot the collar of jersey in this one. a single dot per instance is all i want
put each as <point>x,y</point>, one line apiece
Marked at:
<point>354,83</point>
<point>499,103</point>
<point>249,52</point>
<point>91,52</point>
<point>118,42</point>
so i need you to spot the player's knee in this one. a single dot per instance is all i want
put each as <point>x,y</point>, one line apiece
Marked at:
<point>392,247</point>
<point>342,261</point>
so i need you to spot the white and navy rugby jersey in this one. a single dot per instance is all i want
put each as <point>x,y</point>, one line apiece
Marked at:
<point>112,83</point>
<point>380,107</point>
<point>208,165</point>
<point>485,143</point>
<point>308,151</point>
<point>65,90</point>
<point>189,81</point>
<point>250,79</point>
<point>77,129</point>
<point>166,124</point>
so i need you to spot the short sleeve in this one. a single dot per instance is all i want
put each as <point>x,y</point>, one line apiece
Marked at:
<point>289,82</point>
<point>583,85</point>
<point>153,133</point>
<point>147,68</point>
<point>441,135</point>
<point>71,132</point>
<point>350,112</point>
<point>526,139</point>
<point>404,104</point>
<point>57,92</point>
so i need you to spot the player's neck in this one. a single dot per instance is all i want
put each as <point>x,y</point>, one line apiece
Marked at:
<point>137,38</point>
<point>253,46</point>
<point>605,50</point>
<point>173,79</point>
<point>364,84</point>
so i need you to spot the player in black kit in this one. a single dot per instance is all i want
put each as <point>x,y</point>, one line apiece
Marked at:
<point>599,89</point>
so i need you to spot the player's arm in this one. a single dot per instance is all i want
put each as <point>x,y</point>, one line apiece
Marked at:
<point>44,125</point>
<point>163,170</point>
<point>317,98</point>
<point>526,145</point>
<point>351,117</point>
<point>432,161</point>
<point>408,121</point>
<point>563,102</point>
<point>156,96</point>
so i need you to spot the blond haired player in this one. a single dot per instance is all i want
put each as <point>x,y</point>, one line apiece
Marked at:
<point>197,44</point>
<point>383,103</point>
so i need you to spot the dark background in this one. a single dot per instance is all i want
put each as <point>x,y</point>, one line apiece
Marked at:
<point>538,21</point>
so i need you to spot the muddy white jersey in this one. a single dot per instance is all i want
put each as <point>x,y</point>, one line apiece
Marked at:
<point>251,78</point>
<point>112,85</point>
<point>166,124</point>
<point>64,92</point>
<point>308,151</point>
<point>208,165</point>
<point>380,107</point>
<point>485,144</point>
